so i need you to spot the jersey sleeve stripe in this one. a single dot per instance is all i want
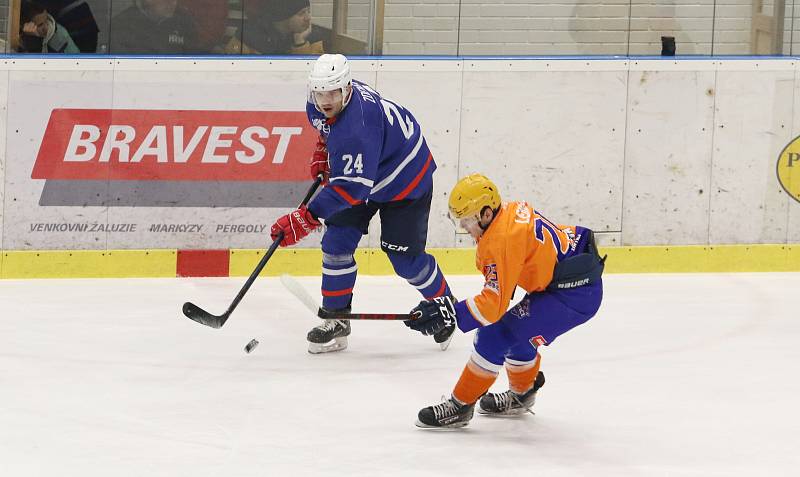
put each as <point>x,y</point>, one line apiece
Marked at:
<point>347,197</point>
<point>391,177</point>
<point>360,180</point>
<point>475,312</point>
<point>416,180</point>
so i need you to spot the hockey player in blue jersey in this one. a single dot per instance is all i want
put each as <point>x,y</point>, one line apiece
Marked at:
<point>375,160</point>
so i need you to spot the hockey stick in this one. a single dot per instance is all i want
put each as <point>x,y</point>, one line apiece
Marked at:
<point>195,313</point>
<point>301,294</point>
<point>335,315</point>
<point>296,289</point>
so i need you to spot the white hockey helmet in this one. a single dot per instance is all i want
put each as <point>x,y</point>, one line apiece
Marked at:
<point>329,73</point>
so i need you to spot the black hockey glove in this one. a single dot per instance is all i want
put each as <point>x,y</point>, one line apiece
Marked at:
<point>434,315</point>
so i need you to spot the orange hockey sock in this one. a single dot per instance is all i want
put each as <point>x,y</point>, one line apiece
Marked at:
<point>474,382</point>
<point>521,374</point>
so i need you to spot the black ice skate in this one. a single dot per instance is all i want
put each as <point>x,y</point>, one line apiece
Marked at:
<point>449,414</point>
<point>445,336</point>
<point>510,403</point>
<point>330,336</point>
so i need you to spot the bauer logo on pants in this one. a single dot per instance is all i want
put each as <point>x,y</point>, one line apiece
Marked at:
<point>537,341</point>
<point>789,169</point>
<point>174,158</point>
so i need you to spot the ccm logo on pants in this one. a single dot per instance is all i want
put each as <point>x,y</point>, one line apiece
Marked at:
<point>393,247</point>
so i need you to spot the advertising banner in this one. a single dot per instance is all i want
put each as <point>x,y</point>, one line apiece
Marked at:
<point>135,155</point>
<point>170,158</point>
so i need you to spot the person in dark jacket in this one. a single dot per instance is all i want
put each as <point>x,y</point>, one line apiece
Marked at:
<point>278,27</point>
<point>153,27</point>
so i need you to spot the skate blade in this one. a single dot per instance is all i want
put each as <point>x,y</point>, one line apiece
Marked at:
<point>507,414</point>
<point>449,427</point>
<point>336,344</point>
<point>445,344</point>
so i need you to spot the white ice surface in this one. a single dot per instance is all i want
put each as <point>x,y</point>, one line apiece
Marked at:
<point>677,375</point>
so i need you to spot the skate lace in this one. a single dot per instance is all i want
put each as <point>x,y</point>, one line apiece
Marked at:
<point>446,409</point>
<point>506,401</point>
<point>503,401</point>
<point>329,325</point>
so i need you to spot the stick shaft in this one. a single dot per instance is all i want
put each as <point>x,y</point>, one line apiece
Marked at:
<point>263,262</point>
<point>201,316</point>
<point>333,315</point>
<point>252,278</point>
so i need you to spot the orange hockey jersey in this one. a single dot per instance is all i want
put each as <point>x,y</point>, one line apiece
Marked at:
<point>520,248</point>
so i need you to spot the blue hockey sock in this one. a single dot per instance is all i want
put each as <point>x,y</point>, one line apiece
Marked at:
<point>422,272</point>
<point>338,279</point>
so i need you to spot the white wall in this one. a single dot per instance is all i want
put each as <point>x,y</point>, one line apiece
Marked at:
<point>554,27</point>
<point>644,152</point>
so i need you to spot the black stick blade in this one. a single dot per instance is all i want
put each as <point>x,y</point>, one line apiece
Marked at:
<point>195,313</point>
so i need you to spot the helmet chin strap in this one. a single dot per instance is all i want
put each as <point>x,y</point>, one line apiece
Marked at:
<point>345,101</point>
<point>480,221</point>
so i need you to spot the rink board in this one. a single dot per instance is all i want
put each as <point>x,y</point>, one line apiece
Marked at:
<point>644,151</point>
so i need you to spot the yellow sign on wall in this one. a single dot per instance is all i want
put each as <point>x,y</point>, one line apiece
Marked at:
<point>789,169</point>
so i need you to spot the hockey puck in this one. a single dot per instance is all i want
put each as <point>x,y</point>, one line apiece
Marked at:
<point>251,346</point>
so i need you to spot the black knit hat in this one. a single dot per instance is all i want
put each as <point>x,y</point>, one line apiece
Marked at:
<point>283,9</point>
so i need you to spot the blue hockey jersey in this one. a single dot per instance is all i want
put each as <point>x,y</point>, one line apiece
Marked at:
<point>376,152</point>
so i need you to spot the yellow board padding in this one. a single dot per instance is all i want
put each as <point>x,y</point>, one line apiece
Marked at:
<point>299,261</point>
<point>703,258</point>
<point>89,263</point>
<point>453,261</point>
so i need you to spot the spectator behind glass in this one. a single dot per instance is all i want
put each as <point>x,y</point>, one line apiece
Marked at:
<point>277,27</point>
<point>77,18</point>
<point>39,32</point>
<point>153,27</point>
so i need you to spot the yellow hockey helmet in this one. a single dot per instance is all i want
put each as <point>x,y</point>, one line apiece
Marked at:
<point>471,194</point>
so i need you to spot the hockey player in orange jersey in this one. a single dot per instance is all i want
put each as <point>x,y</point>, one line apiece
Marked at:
<point>559,269</point>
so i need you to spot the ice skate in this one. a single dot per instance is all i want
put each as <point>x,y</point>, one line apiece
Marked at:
<point>445,336</point>
<point>330,336</point>
<point>510,403</point>
<point>449,414</point>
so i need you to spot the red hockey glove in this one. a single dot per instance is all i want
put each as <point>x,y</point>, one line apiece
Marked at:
<point>295,226</point>
<point>319,162</point>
